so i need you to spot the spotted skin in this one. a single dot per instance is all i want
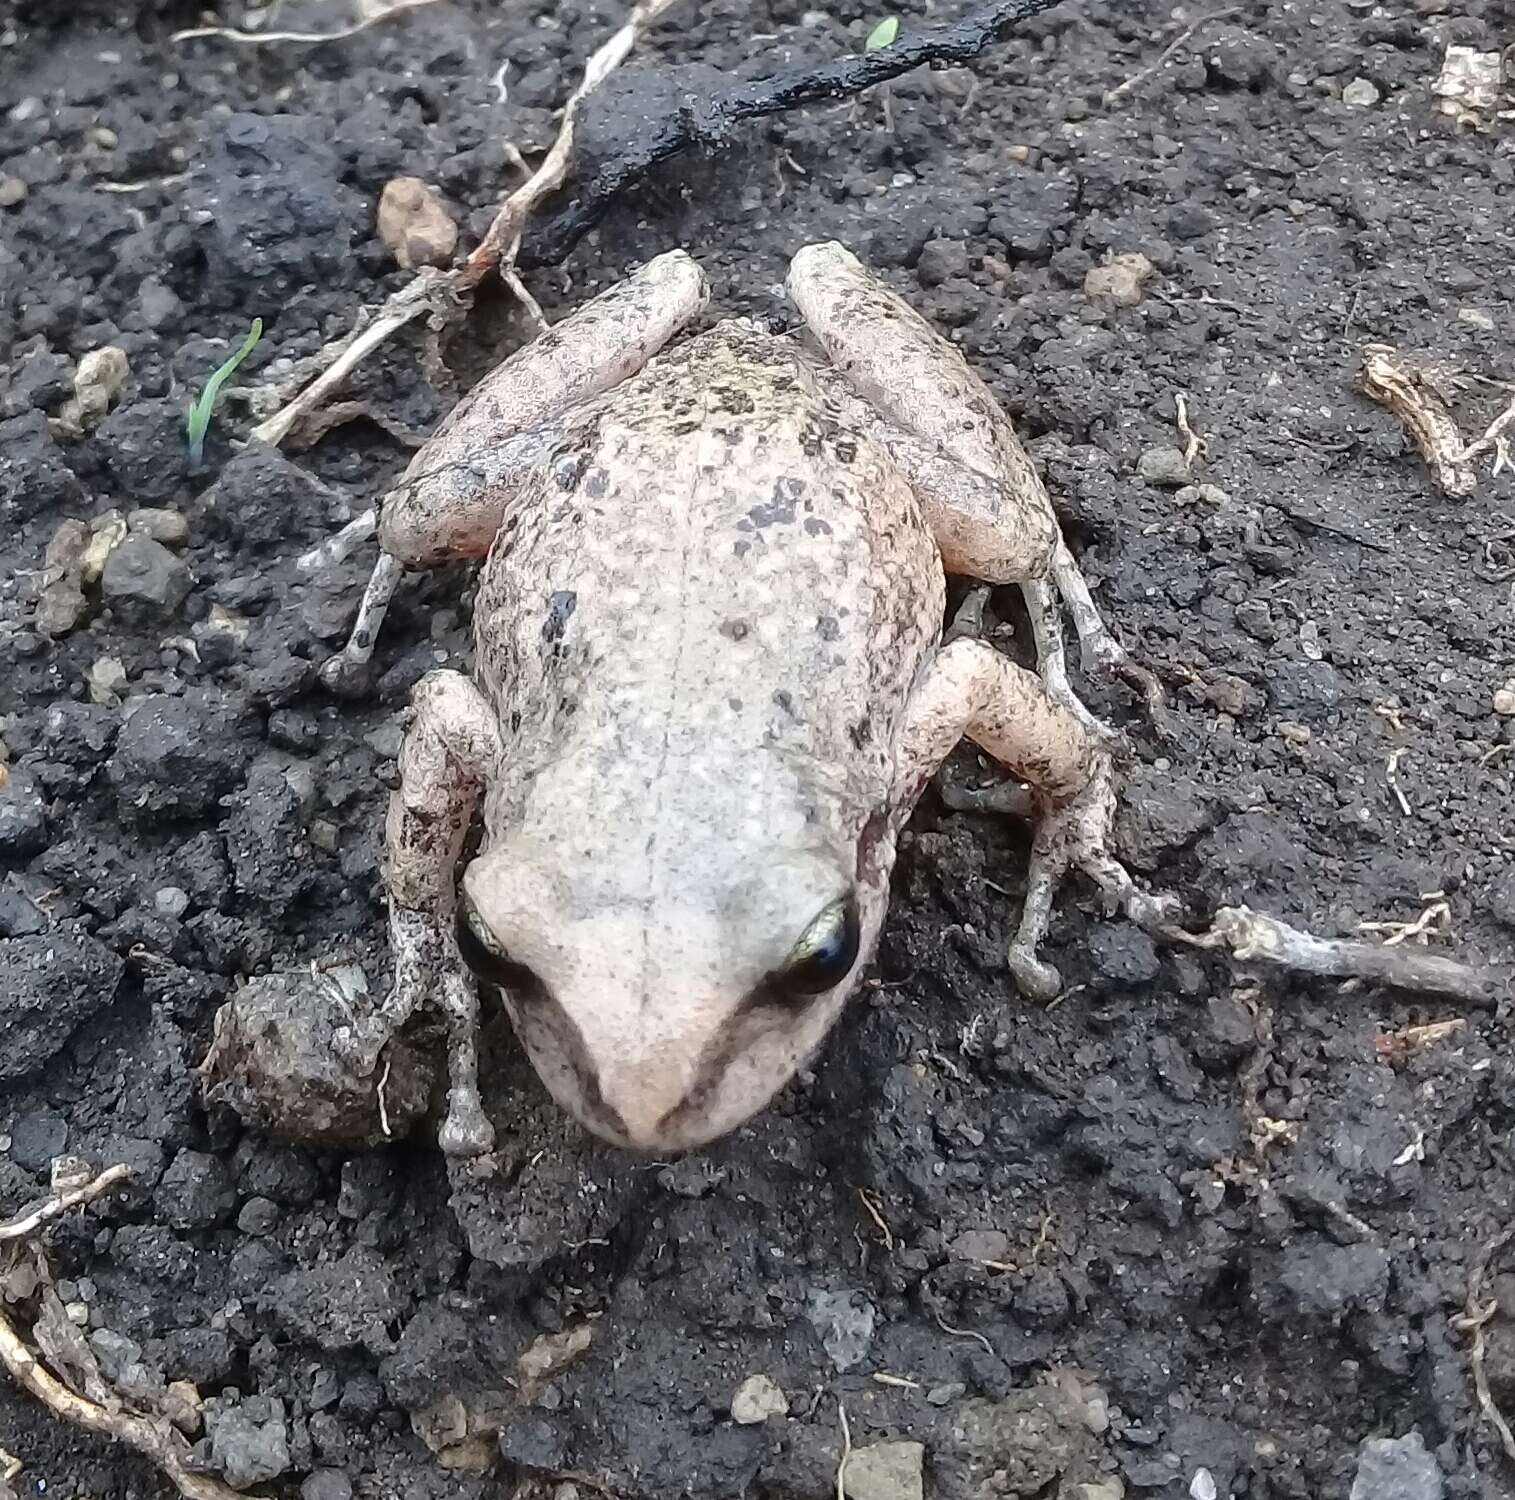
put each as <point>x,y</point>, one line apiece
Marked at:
<point>709,686</point>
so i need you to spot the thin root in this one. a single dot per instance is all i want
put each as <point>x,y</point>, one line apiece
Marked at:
<point>263,38</point>
<point>152,1436</point>
<point>1476,1313</point>
<point>1113,96</point>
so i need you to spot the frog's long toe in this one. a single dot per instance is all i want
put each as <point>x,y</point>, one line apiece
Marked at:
<point>1076,837</point>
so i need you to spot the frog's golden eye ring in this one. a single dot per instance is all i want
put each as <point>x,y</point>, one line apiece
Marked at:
<point>484,954</point>
<point>824,956</point>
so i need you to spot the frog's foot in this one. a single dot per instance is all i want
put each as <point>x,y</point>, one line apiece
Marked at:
<point>1099,651</point>
<point>1052,661</point>
<point>427,968</point>
<point>1076,836</point>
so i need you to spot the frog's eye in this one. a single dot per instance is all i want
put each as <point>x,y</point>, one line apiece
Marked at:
<point>483,952</point>
<point>824,956</point>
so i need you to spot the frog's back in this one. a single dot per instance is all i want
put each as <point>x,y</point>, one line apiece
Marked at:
<point>713,566</point>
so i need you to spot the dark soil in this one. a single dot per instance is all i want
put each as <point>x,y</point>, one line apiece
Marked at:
<point>1092,1188</point>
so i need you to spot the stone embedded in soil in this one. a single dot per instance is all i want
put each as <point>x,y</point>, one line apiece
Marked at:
<point>756,1399</point>
<point>23,815</point>
<point>34,479</point>
<point>248,1440</point>
<point>885,1471</point>
<point>1029,209</point>
<point>1124,280</point>
<point>1397,1469</point>
<point>1318,1280</point>
<point>37,1137</point>
<point>176,758</point>
<point>145,582</point>
<point>1164,466</point>
<point>196,1192</point>
<point>844,1322</point>
<point>1499,898</point>
<point>49,984</point>
<point>276,1065</point>
<point>326,1484</point>
<point>161,524</point>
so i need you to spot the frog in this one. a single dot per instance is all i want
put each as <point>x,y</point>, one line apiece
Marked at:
<point>710,683</point>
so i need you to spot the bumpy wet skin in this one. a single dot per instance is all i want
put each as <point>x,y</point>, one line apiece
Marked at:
<point>1245,1208</point>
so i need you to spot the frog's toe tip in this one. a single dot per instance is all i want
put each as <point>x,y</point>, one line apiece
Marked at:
<point>343,676</point>
<point>466,1131</point>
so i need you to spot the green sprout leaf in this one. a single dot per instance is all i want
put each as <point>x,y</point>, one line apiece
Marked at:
<point>198,423</point>
<point>883,35</point>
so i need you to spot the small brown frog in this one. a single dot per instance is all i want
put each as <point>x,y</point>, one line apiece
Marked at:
<point>709,688</point>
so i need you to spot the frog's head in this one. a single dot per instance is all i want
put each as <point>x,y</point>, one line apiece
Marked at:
<point>662,1019</point>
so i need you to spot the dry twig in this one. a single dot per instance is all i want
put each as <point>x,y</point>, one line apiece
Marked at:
<point>1411,392</point>
<point>1253,937</point>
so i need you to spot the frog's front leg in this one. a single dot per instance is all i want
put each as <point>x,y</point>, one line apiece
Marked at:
<point>970,690</point>
<point>450,502</point>
<point>451,751</point>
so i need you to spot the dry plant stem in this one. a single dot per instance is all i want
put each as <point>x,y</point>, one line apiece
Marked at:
<point>1393,381</point>
<point>411,301</point>
<point>263,38</point>
<point>153,1438</point>
<point>1493,441</point>
<point>1253,937</point>
<point>52,1208</point>
<point>441,291</point>
<point>502,241</point>
<point>1115,95</point>
<point>1476,1313</point>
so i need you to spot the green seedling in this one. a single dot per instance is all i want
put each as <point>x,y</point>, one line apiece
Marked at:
<point>883,35</point>
<point>198,423</point>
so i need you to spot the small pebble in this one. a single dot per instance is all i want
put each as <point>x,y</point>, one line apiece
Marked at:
<point>885,1471</point>
<point>757,1398</point>
<point>167,526</point>
<point>170,901</point>
<point>1504,700</point>
<point>1124,280</point>
<point>415,225</point>
<point>1360,94</point>
<point>1165,467</point>
<point>12,191</point>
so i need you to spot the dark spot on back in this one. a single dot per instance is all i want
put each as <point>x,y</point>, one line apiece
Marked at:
<point>785,702</point>
<point>861,732</point>
<point>597,484</point>
<point>560,608</point>
<point>826,628</point>
<point>735,630</point>
<point>814,526</point>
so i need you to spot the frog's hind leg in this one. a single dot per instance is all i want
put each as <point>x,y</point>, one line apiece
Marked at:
<point>454,495</point>
<point>971,691</point>
<point>451,748</point>
<point>904,384</point>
